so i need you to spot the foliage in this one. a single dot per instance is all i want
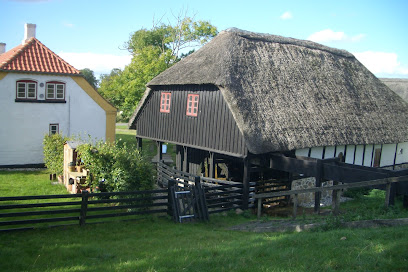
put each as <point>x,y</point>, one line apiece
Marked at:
<point>153,52</point>
<point>53,149</point>
<point>90,77</point>
<point>116,168</point>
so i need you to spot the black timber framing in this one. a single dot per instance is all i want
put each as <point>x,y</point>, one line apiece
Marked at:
<point>333,169</point>
<point>214,129</point>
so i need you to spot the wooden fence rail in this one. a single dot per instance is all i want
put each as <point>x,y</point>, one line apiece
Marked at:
<point>336,192</point>
<point>88,206</point>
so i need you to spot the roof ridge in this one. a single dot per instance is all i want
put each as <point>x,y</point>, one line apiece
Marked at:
<point>287,40</point>
<point>38,58</point>
<point>56,55</point>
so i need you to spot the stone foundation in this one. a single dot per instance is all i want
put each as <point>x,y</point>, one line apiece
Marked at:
<point>307,199</point>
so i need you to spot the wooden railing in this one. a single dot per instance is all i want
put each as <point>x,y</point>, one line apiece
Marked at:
<point>80,208</point>
<point>337,189</point>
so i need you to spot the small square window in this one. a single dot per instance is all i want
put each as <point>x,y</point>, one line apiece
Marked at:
<point>54,129</point>
<point>165,101</point>
<point>192,105</point>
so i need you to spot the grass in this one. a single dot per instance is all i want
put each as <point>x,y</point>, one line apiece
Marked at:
<point>124,135</point>
<point>156,244</point>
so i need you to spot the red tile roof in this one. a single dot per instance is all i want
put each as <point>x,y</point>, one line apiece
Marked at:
<point>33,56</point>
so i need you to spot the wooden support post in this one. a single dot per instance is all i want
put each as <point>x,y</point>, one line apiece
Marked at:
<point>159,151</point>
<point>211,167</point>
<point>387,194</point>
<point>393,193</point>
<point>139,143</point>
<point>185,159</point>
<point>170,185</point>
<point>295,204</point>
<point>259,212</point>
<point>336,202</point>
<point>318,177</point>
<point>336,194</point>
<point>246,180</point>
<point>84,207</point>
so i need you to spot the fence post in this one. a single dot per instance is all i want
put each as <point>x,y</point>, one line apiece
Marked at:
<point>295,204</point>
<point>387,194</point>
<point>318,178</point>
<point>170,185</point>
<point>84,207</point>
<point>259,212</point>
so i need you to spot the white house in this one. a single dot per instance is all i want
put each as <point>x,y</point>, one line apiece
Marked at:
<point>42,94</point>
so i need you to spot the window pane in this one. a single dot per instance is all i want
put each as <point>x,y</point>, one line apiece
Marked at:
<point>21,90</point>
<point>60,91</point>
<point>196,98</point>
<point>31,90</point>
<point>50,91</point>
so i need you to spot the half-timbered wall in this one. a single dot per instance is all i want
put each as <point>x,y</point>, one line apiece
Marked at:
<point>214,128</point>
<point>366,155</point>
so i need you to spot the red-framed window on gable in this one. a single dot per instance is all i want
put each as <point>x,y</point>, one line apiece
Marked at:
<point>192,104</point>
<point>165,101</point>
<point>26,89</point>
<point>55,90</point>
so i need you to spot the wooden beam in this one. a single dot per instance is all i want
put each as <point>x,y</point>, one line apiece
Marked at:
<point>319,180</point>
<point>139,143</point>
<point>211,168</point>
<point>246,180</point>
<point>185,159</point>
<point>159,150</point>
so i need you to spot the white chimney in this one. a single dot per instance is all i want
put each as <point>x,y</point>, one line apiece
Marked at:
<point>2,48</point>
<point>29,32</point>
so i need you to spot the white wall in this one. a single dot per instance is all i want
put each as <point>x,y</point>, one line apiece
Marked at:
<point>24,124</point>
<point>361,154</point>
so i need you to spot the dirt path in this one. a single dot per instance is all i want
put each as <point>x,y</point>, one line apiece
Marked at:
<point>298,225</point>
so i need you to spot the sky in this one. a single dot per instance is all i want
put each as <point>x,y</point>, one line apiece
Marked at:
<point>91,34</point>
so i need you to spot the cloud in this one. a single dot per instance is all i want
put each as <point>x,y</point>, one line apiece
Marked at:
<point>382,63</point>
<point>286,15</point>
<point>329,35</point>
<point>67,24</point>
<point>99,63</point>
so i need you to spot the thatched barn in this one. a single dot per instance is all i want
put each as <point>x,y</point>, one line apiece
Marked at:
<point>398,85</point>
<point>246,95</point>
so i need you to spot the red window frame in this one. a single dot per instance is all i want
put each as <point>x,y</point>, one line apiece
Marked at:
<point>192,104</point>
<point>165,102</point>
<point>26,85</point>
<point>58,90</point>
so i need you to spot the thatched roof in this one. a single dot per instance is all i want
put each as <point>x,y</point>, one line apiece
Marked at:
<point>398,85</point>
<point>288,94</point>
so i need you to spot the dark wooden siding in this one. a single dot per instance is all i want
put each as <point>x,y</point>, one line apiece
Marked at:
<point>214,128</point>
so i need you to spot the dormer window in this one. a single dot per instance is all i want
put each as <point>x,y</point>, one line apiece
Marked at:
<point>27,89</point>
<point>165,102</point>
<point>192,104</point>
<point>55,90</point>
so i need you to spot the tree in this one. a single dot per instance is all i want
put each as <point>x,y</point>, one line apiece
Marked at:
<point>90,77</point>
<point>153,50</point>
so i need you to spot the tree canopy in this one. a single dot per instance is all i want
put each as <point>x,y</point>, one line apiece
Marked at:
<point>89,76</point>
<point>153,51</point>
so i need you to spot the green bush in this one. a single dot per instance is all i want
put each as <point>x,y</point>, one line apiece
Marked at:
<point>53,149</point>
<point>116,168</point>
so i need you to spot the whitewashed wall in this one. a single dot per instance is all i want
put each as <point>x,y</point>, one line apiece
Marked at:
<point>391,154</point>
<point>24,124</point>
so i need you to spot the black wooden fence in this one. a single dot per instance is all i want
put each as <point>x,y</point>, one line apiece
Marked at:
<point>220,195</point>
<point>17,214</point>
<point>188,196</point>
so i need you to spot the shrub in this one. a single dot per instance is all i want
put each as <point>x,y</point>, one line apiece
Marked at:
<point>53,149</point>
<point>116,168</point>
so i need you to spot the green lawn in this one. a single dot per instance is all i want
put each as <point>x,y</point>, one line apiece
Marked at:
<point>156,244</point>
